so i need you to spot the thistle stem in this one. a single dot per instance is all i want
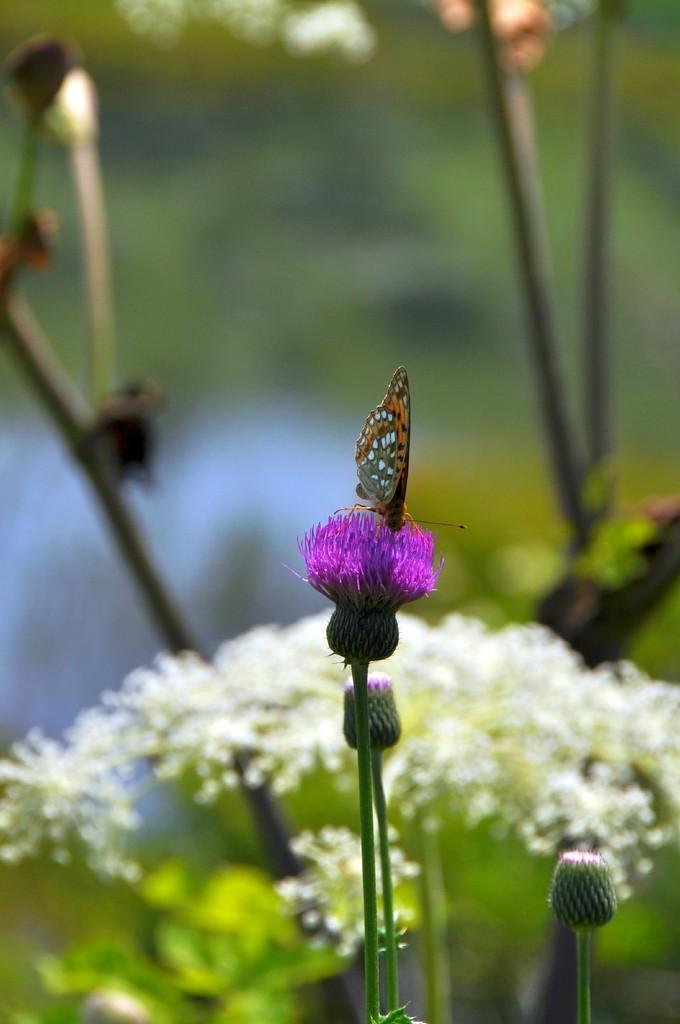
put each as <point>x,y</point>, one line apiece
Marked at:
<point>583,976</point>
<point>87,177</point>
<point>513,121</point>
<point>371,953</point>
<point>22,199</point>
<point>596,383</point>
<point>391,968</point>
<point>433,909</point>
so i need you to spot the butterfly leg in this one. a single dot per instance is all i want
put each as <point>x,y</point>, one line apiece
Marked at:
<point>412,522</point>
<point>352,509</point>
<point>358,508</point>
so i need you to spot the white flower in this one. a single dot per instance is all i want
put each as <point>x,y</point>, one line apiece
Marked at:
<point>53,792</point>
<point>329,893</point>
<point>335,27</point>
<point>255,21</point>
<point>162,20</point>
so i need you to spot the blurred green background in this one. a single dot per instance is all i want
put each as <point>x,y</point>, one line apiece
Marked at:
<point>284,233</point>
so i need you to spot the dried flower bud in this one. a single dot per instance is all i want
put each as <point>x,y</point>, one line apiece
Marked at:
<point>72,118</point>
<point>383,718</point>
<point>582,895</point>
<point>522,26</point>
<point>124,428</point>
<point>112,1007</point>
<point>36,70</point>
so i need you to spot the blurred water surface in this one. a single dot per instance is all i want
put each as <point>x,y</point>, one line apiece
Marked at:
<point>222,516</point>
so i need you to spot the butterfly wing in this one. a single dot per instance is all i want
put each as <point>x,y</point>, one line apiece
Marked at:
<point>382,448</point>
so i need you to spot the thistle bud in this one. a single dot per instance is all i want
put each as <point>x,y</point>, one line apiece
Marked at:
<point>383,717</point>
<point>362,635</point>
<point>582,895</point>
<point>36,70</point>
<point>111,1007</point>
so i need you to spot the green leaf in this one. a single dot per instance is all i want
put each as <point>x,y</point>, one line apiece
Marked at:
<point>241,901</point>
<point>398,1016</point>
<point>172,885</point>
<point>201,965</point>
<point>615,556</point>
<point>250,1007</point>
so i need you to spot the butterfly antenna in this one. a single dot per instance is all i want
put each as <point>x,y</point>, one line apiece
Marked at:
<point>430,522</point>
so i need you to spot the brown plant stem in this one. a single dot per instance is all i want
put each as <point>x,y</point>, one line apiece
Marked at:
<point>599,623</point>
<point>509,103</point>
<point>70,415</point>
<point>557,995</point>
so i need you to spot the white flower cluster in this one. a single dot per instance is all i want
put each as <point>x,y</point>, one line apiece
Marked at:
<point>338,26</point>
<point>53,791</point>
<point>329,894</point>
<point>506,726</point>
<point>329,26</point>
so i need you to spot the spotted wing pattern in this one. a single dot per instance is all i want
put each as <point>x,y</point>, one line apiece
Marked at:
<point>382,451</point>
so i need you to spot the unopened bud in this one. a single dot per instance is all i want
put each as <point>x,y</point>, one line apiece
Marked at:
<point>362,634</point>
<point>36,70</point>
<point>582,895</point>
<point>383,717</point>
<point>72,118</point>
<point>112,1007</point>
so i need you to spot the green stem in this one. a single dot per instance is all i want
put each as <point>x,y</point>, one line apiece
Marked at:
<point>391,969</point>
<point>22,199</point>
<point>595,312</point>
<point>583,976</point>
<point>371,952</point>
<point>87,177</point>
<point>433,909</point>
<point>509,102</point>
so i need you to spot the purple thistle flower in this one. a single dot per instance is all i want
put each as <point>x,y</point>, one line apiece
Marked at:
<point>354,561</point>
<point>369,572</point>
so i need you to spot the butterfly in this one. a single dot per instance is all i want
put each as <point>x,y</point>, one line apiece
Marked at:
<point>382,451</point>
